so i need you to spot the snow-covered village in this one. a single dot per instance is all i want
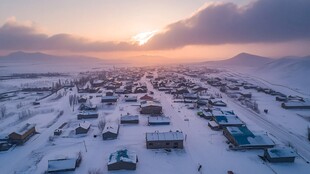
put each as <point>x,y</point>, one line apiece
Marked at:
<point>155,87</point>
<point>166,119</point>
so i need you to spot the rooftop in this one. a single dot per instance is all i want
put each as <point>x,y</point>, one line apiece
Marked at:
<point>164,136</point>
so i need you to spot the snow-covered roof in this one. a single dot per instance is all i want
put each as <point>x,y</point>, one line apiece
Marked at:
<point>297,103</point>
<point>213,123</point>
<point>109,97</point>
<point>278,152</point>
<point>129,117</point>
<point>228,120</point>
<point>245,137</point>
<point>111,127</point>
<point>123,156</point>
<point>61,164</point>
<point>164,136</point>
<point>150,103</point>
<point>84,125</point>
<point>87,112</point>
<point>159,119</point>
<point>25,128</point>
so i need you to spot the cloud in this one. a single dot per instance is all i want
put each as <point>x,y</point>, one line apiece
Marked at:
<point>27,36</point>
<point>262,21</point>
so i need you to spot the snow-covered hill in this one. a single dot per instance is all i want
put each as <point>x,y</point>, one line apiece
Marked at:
<point>242,60</point>
<point>289,71</point>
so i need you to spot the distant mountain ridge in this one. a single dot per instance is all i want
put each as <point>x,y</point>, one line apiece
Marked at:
<point>38,57</point>
<point>242,59</point>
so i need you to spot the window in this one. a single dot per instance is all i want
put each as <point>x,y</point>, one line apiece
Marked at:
<point>150,144</point>
<point>167,144</point>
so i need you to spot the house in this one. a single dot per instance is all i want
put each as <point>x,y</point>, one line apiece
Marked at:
<point>158,140</point>
<point>151,107</point>
<point>87,115</point>
<point>130,119</point>
<point>225,120</point>
<point>242,138</point>
<point>110,131</point>
<point>109,99</point>
<point>158,120</point>
<point>123,160</point>
<point>131,99</point>
<point>140,90</point>
<point>296,105</point>
<point>216,102</point>
<point>63,165</point>
<point>280,155</point>
<point>58,131</point>
<point>20,136</point>
<point>147,98</point>
<point>83,128</point>
<point>205,113</point>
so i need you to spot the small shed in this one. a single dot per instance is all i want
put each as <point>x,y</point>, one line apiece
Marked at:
<point>83,128</point>
<point>123,160</point>
<point>130,119</point>
<point>158,140</point>
<point>280,155</point>
<point>213,125</point>
<point>110,131</point>
<point>158,120</point>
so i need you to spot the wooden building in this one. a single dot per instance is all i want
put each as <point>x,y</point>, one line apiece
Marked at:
<point>20,136</point>
<point>83,128</point>
<point>130,119</point>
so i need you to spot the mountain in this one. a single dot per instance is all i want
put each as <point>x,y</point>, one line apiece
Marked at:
<point>243,60</point>
<point>42,58</point>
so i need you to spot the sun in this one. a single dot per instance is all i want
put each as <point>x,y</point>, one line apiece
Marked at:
<point>142,38</point>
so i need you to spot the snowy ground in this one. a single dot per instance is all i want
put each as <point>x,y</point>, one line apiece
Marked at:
<point>202,146</point>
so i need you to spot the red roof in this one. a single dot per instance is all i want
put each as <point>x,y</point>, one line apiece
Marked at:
<point>146,97</point>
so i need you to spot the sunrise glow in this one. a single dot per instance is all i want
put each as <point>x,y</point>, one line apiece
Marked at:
<point>143,37</point>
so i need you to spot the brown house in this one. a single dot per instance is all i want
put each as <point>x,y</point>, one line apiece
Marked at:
<point>150,107</point>
<point>23,134</point>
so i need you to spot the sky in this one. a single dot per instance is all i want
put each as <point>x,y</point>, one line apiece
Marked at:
<point>202,29</point>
